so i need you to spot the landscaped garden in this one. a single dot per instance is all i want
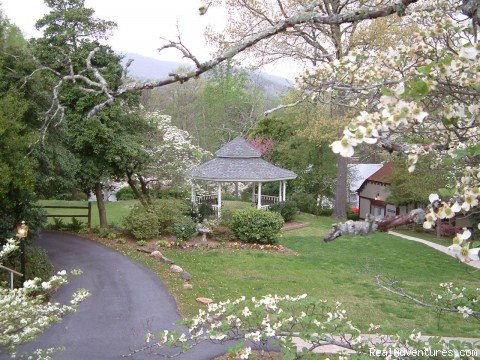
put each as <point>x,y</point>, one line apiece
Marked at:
<point>343,271</point>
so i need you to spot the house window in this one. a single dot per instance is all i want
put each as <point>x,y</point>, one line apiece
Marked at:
<point>378,211</point>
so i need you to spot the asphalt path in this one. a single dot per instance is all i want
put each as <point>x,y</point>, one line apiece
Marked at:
<point>126,301</point>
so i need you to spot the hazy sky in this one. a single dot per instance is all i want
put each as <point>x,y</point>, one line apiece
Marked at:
<point>141,24</point>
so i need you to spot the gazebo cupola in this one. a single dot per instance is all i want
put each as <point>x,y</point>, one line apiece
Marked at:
<point>239,161</point>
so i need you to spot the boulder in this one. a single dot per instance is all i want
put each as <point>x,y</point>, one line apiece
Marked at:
<point>186,276</point>
<point>156,253</point>
<point>204,300</point>
<point>188,286</point>
<point>176,269</point>
<point>166,260</point>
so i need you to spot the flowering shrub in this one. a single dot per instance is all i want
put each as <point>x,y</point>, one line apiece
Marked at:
<point>185,229</point>
<point>448,230</point>
<point>254,225</point>
<point>26,312</point>
<point>279,320</point>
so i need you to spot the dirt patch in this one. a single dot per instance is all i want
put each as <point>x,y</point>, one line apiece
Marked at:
<point>292,225</point>
<point>197,243</point>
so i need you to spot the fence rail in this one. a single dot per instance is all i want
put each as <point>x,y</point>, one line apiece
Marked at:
<point>269,200</point>
<point>12,273</point>
<point>208,199</point>
<point>88,215</point>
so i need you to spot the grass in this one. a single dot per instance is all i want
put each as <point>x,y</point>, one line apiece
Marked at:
<point>116,211</point>
<point>342,270</point>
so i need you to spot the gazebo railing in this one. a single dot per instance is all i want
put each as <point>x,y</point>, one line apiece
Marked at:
<point>269,200</point>
<point>206,199</point>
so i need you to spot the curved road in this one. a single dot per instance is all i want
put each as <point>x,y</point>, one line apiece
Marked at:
<point>126,300</point>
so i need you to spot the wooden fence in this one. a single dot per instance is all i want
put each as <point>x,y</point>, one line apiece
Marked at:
<point>88,215</point>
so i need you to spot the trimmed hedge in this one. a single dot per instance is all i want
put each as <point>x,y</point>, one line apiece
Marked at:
<point>257,226</point>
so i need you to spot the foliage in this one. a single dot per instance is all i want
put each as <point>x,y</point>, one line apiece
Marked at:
<point>276,320</point>
<point>352,215</point>
<point>141,243</point>
<point>288,209</point>
<point>259,226</point>
<point>125,193</point>
<point>305,202</point>
<point>157,219</point>
<point>29,304</point>
<point>120,240</point>
<point>184,229</point>
<point>200,212</point>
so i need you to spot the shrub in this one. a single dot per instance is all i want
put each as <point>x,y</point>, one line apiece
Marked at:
<point>141,243</point>
<point>324,212</point>
<point>228,197</point>
<point>449,230</point>
<point>254,225</point>
<point>205,210</point>
<point>76,225</point>
<point>288,209</point>
<point>172,192</point>
<point>125,193</point>
<point>162,244</point>
<point>157,219</point>
<point>121,240</point>
<point>351,214</point>
<point>38,264</point>
<point>305,202</point>
<point>58,224</point>
<point>184,229</point>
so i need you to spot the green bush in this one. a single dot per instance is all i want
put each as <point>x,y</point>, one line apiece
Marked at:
<point>305,202</point>
<point>351,215</point>
<point>125,193</point>
<point>254,225</point>
<point>120,240</point>
<point>228,197</point>
<point>184,229</point>
<point>37,264</point>
<point>172,192</point>
<point>324,212</point>
<point>141,243</point>
<point>288,209</point>
<point>76,225</point>
<point>157,219</point>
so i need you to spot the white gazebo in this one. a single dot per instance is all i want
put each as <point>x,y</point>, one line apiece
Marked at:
<point>238,161</point>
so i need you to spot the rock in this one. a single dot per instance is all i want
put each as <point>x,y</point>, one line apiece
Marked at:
<point>156,253</point>
<point>188,286</point>
<point>185,275</point>
<point>166,260</point>
<point>176,269</point>
<point>144,250</point>
<point>204,300</point>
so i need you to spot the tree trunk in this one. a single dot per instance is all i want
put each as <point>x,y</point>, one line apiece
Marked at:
<point>340,207</point>
<point>145,192</point>
<point>438,228</point>
<point>102,213</point>
<point>74,192</point>
<point>135,191</point>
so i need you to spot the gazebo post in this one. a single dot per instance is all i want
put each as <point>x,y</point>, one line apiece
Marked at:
<point>253,193</point>
<point>259,205</point>
<point>280,191</point>
<point>284,190</point>
<point>219,200</point>
<point>193,193</point>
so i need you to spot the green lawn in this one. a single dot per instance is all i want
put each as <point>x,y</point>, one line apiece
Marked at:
<point>116,211</point>
<point>342,271</point>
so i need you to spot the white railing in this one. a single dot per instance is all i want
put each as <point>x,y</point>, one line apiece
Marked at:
<point>209,199</point>
<point>269,200</point>
<point>12,272</point>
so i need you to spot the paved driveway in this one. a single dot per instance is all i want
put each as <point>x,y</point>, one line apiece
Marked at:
<point>126,299</point>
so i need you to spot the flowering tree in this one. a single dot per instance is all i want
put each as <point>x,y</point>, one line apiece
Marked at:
<point>26,312</point>
<point>429,103</point>
<point>281,321</point>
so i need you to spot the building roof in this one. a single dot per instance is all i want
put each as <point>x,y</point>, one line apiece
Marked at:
<point>361,172</point>
<point>382,175</point>
<point>238,148</point>
<point>240,161</point>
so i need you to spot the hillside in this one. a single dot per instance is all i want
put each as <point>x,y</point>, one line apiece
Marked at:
<point>146,68</point>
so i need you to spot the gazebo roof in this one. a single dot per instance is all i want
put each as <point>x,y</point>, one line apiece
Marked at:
<point>240,161</point>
